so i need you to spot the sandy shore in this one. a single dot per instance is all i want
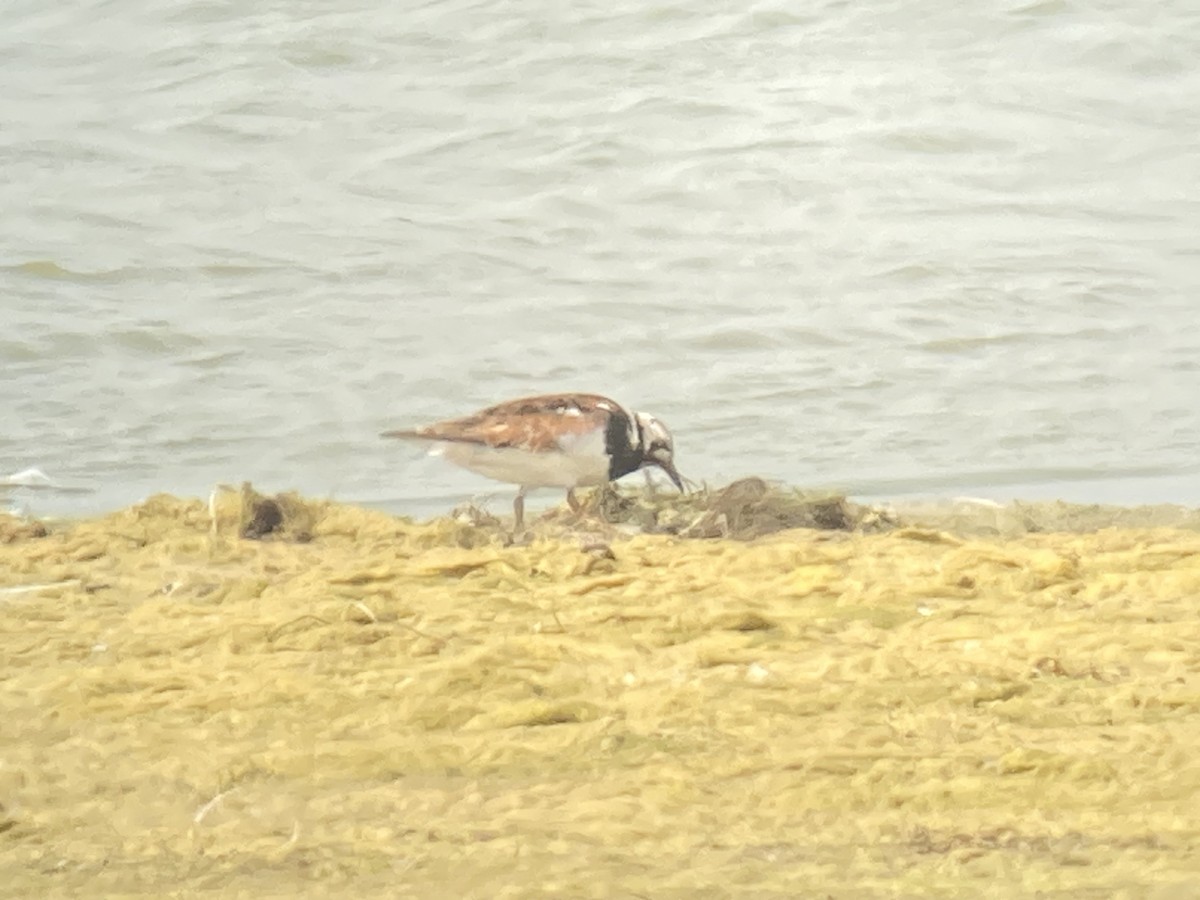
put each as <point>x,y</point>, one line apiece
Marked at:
<point>951,701</point>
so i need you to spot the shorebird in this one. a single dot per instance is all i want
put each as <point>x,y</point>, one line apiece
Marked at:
<point>554,440</point>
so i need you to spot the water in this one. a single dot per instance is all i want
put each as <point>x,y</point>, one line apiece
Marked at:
<point>902,248</point>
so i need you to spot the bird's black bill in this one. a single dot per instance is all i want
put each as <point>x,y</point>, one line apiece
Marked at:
<point>673,474</point>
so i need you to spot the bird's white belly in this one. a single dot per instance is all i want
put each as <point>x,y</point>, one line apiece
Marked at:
<point>581,463</point>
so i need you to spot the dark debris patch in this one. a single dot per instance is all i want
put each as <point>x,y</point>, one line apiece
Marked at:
<point>744,510</point>
<point>282,516</point>
<point>14,530</point>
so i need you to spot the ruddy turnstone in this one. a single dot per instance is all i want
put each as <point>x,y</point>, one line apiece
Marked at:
<point>555,440</point>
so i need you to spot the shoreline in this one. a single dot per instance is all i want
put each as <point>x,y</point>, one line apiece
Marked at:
<point>51,498</point>
<point>968,515</point>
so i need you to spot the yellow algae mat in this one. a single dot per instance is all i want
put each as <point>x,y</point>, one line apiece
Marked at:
<point>372,707</point>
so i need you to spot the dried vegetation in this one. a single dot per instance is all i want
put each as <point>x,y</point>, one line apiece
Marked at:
<point>746,692</point>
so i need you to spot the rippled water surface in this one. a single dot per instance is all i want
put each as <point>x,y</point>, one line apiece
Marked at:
<point>896,248</point>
